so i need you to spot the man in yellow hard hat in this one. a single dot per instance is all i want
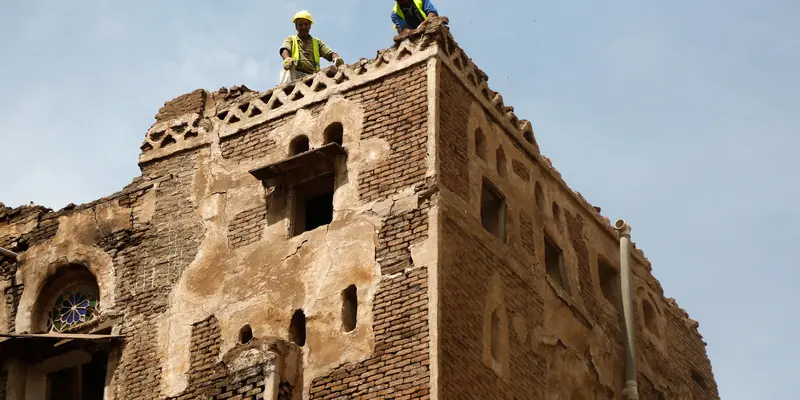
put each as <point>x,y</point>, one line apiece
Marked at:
<point>408,15</point>
<point>301,53</point>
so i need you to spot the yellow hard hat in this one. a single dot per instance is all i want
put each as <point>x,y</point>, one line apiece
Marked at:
<point>303,15</point>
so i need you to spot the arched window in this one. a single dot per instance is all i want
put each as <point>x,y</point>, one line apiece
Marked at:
<point>480,144</point>
<point>649,317</point>
<point>298,145</point>
<point>334,133</point>
<point>500,158</point>
<point>70,299</point>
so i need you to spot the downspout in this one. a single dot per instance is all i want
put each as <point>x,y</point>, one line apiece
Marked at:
<point>631,391</point>
<point>8,253</point>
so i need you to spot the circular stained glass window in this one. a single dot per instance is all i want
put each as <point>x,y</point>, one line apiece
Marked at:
<point>75,305</point>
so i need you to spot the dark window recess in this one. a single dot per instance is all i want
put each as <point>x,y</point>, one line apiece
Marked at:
<point>85,382</point>
<point>313,205</point>
<point>480,144</point>
<point>334,133</point>
<point>554,263</point>
<point>297,328</point>
<point>349,308</point>
<point>649,317</point>
<point>609,283</point>
<point>493,211</point>
<point>495,340</point>
<point>502,164</point>
<point>298,145</point>
<point>245,334</point>
<point>539,196</point>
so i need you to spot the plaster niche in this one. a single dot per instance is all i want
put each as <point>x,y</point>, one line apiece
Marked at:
<point>496,328</point>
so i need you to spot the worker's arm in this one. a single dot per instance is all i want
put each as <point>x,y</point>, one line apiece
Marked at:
<point>286,48</point>
<point>401,25</point>
<point>429,8</point>
<point>328,54</point>
<point>286,53</point>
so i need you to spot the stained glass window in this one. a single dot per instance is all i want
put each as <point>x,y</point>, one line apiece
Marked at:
<point>75,305</point>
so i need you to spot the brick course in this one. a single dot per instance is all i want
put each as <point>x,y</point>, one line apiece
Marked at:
<point>453,147</point>
<point>247,226</point>
<point>252,143</point>
<point>400,366</point>
<point>395,110</point>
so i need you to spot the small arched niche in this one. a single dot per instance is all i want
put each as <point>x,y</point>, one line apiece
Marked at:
<point>349,308</point>
<point>538,194</point>
<point>650,317</point>
<point>297,328</point>
<point>245,334</point>
<point>298,145</point>
<point>69,299</point>
<point>502,164</point>
<point>334,133</point>
<point>480,144</point>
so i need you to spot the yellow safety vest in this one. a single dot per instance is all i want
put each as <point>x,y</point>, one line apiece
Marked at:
<point>296,50</point>
<point>399,12</point>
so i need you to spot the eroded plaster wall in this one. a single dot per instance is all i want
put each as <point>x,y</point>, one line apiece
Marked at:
<point>196,248</point>
<point>508,330</point>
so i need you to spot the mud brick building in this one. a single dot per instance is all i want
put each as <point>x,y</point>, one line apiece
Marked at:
<point>388,230</point>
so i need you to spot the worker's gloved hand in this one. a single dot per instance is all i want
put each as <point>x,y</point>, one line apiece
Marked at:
<point>288,63</point>
<point>338,62</point>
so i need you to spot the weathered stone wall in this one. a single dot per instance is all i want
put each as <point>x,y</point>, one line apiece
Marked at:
<point>508,330</point>
<point>197,248</point>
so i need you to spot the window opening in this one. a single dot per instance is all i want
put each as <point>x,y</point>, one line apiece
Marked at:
<point>84,382</point>
<point>480,144</point>
<point>554,263</point>
<point>609,282</point>
<point>493,211</point>
<point>539,195</point>
<point>245,334</point>
<point>313,205</point>
<point>349,308</point>
<point>334,133</point>
<point>297,328</point>
<point>500,158</point>
<point>298,145</point>
<point>495,344</point>
<point>649,317</point>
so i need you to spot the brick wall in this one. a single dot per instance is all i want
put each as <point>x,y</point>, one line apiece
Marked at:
<point>521,170</point>
<point>527,234</point>
<point>585,286</point>
<point>247,226</point>
<point>252,143</point>
<point>396,236</point>
<point>149,260</point>
<point>466,266</point>
<point>453,148</point>
<point>193,102</point>
<point>399,367</point>
<point>469,257</point>
<point>396,110</point>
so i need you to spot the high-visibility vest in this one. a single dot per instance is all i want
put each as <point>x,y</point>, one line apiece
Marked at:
<point>417,3</point>
<point>296,50</point>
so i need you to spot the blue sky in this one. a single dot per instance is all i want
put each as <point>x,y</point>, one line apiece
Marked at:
<point>680,117</point>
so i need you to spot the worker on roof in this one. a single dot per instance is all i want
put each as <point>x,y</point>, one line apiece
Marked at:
<point>412,14</point>
<point>301,53</point>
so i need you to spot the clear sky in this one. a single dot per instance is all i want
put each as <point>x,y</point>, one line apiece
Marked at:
<point>680,117</point>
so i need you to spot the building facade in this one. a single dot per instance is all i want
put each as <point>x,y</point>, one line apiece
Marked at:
<point>388,230</point>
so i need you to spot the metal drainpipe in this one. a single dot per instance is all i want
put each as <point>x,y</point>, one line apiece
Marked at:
<point>631,391</point>
<point>8,253</point>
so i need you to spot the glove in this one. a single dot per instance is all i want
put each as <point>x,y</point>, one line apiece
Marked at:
<point>288,63</point>
<point>338,62</point>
